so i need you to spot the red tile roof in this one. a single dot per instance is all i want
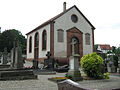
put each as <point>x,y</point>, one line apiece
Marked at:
<point>105,47</point>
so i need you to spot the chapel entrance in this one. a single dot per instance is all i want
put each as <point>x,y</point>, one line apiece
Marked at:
<point>36,51</point>
<point>74,42</point>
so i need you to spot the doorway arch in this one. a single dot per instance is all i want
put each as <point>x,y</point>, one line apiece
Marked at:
<point>74,34</point>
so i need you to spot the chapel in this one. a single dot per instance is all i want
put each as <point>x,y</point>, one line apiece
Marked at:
<point>68,33</point>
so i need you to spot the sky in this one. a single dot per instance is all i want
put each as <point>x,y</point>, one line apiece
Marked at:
<point>25,15</point>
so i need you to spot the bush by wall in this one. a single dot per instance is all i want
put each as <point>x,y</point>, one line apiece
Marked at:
<point>92,65</point>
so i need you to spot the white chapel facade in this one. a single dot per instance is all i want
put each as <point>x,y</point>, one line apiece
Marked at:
<point>57,34</point>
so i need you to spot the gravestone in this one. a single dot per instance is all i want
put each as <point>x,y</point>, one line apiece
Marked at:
<point>35,64</point>
<point>1,60</point>
<point>49,62</point>
<point>119,64</point>
<point>16,72</point>
<point>4,60</point>
<point>74,66</point>
<point>111,67</point>
<point>16,56</point>
<point>4,57</point>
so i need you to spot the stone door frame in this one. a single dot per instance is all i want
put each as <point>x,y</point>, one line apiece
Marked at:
<point>74,32</point>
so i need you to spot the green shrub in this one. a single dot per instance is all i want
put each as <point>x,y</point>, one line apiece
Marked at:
<point>106,75</point>
<point>68,76</point>
<point>92,65</point>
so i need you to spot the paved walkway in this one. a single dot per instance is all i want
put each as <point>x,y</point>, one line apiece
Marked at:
<point>44,84</point>
<point>107,84</point>
<point>41,84</point>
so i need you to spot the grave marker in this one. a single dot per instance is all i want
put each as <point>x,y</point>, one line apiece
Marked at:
<point>49,62</point>
<point>74,66</point>
<point>4,57</point>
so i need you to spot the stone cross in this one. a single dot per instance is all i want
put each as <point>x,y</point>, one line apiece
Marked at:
<point>16,56</point>
<point>49,62</point>
<point>73,48</point>
<point>48,55</point>
<point>74,42</point>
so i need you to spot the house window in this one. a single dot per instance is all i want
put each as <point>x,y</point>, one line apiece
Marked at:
<point>87,38</point>
<point>44,40</point>
<point>74,18</point>
<point>60,35</point>
<point>30,44</point>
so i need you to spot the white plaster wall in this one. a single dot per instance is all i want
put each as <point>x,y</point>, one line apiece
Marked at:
<point>30,55</point>
<point>64,22</point>
<point>42,54</point>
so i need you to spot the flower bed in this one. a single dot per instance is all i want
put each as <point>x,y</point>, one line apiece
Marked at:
<point>57,79</point>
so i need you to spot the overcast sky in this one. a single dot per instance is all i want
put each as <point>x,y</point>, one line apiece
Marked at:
<point>25,15</point>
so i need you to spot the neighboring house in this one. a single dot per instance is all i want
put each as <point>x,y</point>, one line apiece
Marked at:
<point>104,48</point>
<point>57,35</point>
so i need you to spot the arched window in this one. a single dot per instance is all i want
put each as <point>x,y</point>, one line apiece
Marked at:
<point>87,39</point>
<point>60,35</point>
<point>36,40</point>
<point>44,40</point>
<point>30,44</point>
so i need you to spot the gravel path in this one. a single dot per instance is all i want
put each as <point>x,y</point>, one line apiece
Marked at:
<point>108,84</point>
<point>41,84</point>
<point>44,84</point>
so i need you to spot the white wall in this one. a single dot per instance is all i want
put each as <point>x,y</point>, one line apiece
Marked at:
<point>42,54</point>
<point>30,55</point>
<point>64,22</point>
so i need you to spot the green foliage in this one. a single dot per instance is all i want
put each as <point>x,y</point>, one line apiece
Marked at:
<point>103,55</point>
<point>95,47</point>
<point>92,65</point>
<point>115,50</point>
<point>106,75</point>
<point>115,53</point>
<point>115,60</point>
<point>68,76</point>
<point>7,38</point>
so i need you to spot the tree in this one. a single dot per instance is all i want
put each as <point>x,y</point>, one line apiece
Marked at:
<point>115,53</point>
<point>95,47</point>
<point>7,38</point>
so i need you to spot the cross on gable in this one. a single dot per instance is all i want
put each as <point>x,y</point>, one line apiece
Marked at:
<point>48,54</point>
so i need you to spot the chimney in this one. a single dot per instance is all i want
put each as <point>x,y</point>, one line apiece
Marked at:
<point>64,6</point>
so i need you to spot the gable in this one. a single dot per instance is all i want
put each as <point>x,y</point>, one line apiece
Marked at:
<point>76,30</point>
<point>59,15</point>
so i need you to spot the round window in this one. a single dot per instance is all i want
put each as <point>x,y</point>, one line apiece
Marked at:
<point>74,18</point>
